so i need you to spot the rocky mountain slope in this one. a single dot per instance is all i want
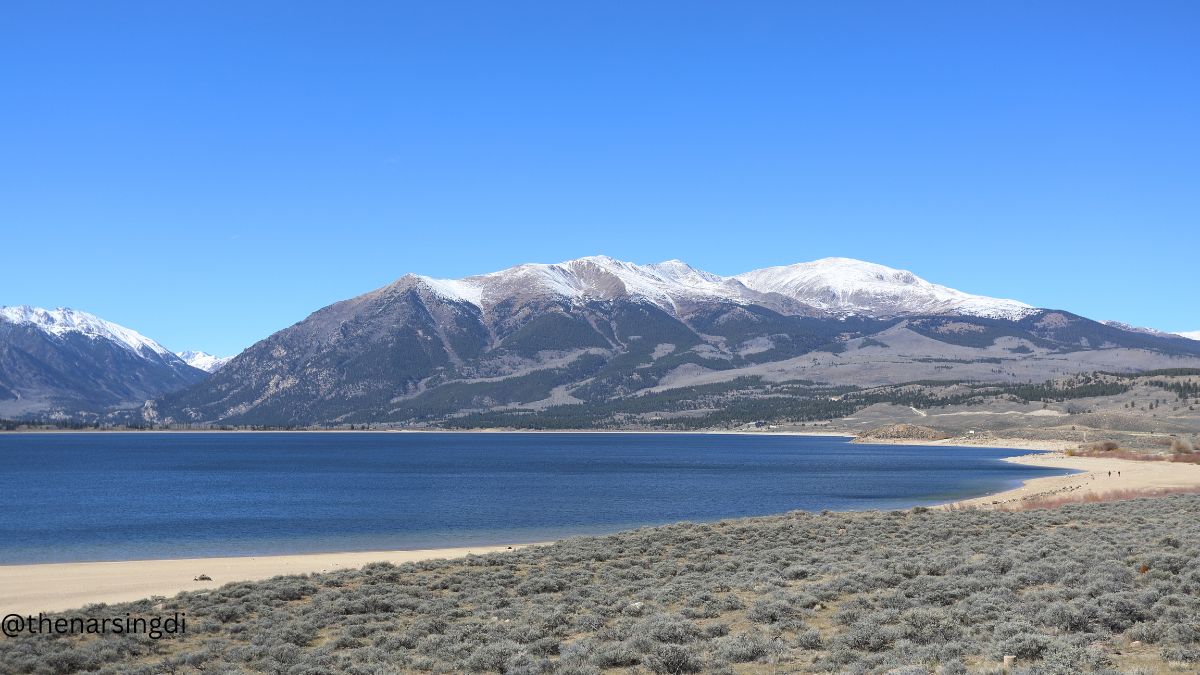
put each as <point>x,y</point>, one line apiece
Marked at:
<point>63,361</point>
<point>585,333</point>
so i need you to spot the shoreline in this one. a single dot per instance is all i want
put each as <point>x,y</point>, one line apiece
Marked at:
<point>997,442</point>
<point>702,432</point>
<point>55,587</point>
<point>1092,478</point>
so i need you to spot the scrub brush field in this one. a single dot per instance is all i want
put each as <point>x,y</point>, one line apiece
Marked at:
<point>1103,588</point>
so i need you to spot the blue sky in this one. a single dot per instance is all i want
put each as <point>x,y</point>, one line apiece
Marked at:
<point>208,173</point>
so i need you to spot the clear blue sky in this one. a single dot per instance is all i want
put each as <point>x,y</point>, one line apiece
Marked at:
<point>208,173</point>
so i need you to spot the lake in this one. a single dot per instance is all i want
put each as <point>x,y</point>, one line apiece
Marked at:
<point>117,496</point>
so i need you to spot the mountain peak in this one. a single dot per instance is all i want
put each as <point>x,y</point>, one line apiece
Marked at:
<point>848,285</point>
<point>63,320</point>
<point>203,360</point>
<point>679,270</point>
<point>597,259</point>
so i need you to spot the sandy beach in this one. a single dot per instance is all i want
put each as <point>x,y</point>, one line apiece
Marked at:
<point>60,586</point>
<point>1098,476</point>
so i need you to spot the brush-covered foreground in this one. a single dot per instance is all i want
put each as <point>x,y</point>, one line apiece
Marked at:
<point>1109,587</point>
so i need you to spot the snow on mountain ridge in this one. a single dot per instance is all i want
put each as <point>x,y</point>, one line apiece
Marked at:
<point>1137,329</point>
<point>1191,335</point>
<point>454,289</point>
<point>856,286</point>
<point>837,285</point>
<point>663,283</point>
<point>64,320</point>
<point>203,360</point>
<point>583,278</point>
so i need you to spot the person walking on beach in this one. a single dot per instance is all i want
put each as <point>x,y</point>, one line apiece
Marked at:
<point>1110,474</point>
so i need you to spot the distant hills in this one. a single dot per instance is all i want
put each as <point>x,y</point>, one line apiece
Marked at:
<point>608,338</point>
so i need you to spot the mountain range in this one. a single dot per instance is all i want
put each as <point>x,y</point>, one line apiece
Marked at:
<point>604,335</point>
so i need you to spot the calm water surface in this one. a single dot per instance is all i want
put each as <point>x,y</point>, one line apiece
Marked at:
<point>114,496</point>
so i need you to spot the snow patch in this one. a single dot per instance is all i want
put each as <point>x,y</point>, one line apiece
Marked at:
<point>455,289</point>
<point>203,360</point>
<point>845,285</point>
<point>61,321</point>
<point>1191,335</point>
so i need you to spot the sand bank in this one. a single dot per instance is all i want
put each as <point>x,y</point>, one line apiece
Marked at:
<point>1098,476</point>
<point>59,586</point>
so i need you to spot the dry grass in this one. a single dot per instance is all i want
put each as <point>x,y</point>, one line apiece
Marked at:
<point>1096,450</point>
<point>1098,497</point>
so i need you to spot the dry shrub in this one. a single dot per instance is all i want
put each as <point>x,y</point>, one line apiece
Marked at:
<point>1100,497</point>
<point>1182,446</point>
<point>1182,450</point>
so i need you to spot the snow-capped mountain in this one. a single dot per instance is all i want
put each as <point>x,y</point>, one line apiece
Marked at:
<point>838,286</point>
<point>591,278</point>
<point>66,361</point>
<point>203,360</point>
<point>1191,335</point>
<point>845,285</point>
<point>596,330</point>
<point>61,321</point>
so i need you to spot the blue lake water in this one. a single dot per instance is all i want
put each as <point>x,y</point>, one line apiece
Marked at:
<point>113,496</point>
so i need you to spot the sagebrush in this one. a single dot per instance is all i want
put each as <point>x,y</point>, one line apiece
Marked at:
<point>1068,590</point>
